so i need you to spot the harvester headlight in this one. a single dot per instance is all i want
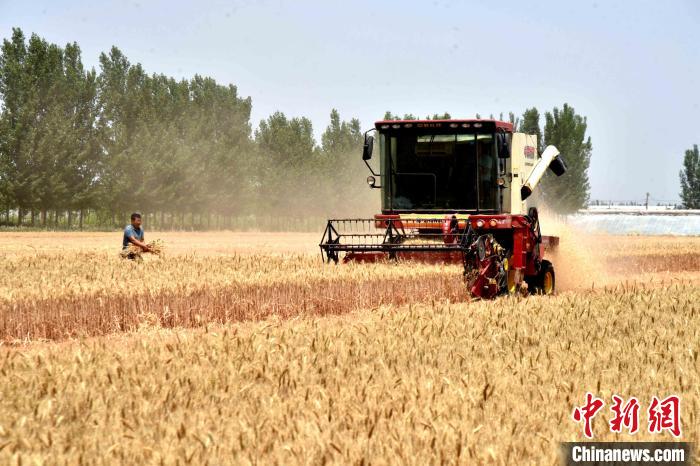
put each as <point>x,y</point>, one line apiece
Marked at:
<point>479,223</point>
<point>396,126</point>
<point>501,182</point>
<point>385,126</point>
<point>493,222</point>
<point>371,181</point>
<point>453,125</point>
<point>465,125</point>
<point>408,125</point>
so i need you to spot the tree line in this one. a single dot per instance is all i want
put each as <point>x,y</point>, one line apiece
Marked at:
<point>79,145</point>
<point>690,179</point>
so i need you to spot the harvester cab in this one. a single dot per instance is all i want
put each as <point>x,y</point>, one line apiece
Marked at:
<point>454,191</point>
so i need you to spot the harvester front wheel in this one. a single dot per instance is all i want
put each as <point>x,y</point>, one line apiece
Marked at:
<point>545,281</point>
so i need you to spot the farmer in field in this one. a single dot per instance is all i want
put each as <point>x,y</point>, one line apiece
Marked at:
<point>133,235</point>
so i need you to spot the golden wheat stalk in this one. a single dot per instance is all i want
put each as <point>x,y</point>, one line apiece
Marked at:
<point>135,252</point>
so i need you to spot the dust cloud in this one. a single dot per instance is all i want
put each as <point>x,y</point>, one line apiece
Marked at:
<point>578,261</point>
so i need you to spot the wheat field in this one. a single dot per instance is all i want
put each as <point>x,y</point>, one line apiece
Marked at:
<point>247,349</point>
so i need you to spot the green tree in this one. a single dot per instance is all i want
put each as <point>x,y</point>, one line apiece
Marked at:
<point>439,116</point>
<point>410,116</point>
<point>530,124</point>
<point>47,124</point>
<point>344,189</point>
<point>287,149</point>
<point>79,154</point>
<point>121,104</point>
<point>690,179</point>
<point>515,121</point>
<point>13,88</point>
<point>388,116</point>
<point>219,135</point>
<point>19,173</point>
<point>567,131</point>
<point>44,68</point>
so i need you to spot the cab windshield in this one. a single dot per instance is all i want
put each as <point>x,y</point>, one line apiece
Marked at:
<point>453,172</point>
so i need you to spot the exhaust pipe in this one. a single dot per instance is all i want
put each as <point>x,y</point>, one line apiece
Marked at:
<point>550,159</point>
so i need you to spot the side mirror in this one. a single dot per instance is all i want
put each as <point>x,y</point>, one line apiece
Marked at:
<point>367,148</point>
<point>503,148</point>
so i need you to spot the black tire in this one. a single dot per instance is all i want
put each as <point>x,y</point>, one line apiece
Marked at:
<point>545,281</point>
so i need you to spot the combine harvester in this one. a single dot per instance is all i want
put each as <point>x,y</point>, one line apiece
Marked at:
<point>455,191</point>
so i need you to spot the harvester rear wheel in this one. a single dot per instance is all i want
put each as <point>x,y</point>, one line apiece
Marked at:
<point>545,281</point>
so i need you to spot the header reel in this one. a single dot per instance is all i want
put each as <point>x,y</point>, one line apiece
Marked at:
<point>486,267</point>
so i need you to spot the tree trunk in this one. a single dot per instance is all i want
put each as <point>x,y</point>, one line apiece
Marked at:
<point>20,214</point>
<point>80,220</point>
<point>70,219</point>
<point>43,218</point>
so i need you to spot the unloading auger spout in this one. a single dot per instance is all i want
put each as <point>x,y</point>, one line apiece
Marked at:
<point>550,159</point>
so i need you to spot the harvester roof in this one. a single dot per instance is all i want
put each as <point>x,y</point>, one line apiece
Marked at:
<point>482,124</point>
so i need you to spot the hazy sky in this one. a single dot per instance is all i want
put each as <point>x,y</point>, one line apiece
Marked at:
<point>633,68</point>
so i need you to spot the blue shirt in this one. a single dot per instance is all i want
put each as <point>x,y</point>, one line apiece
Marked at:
<point>130,231</point>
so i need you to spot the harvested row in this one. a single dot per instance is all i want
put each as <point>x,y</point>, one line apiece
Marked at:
<point>102,313</point>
